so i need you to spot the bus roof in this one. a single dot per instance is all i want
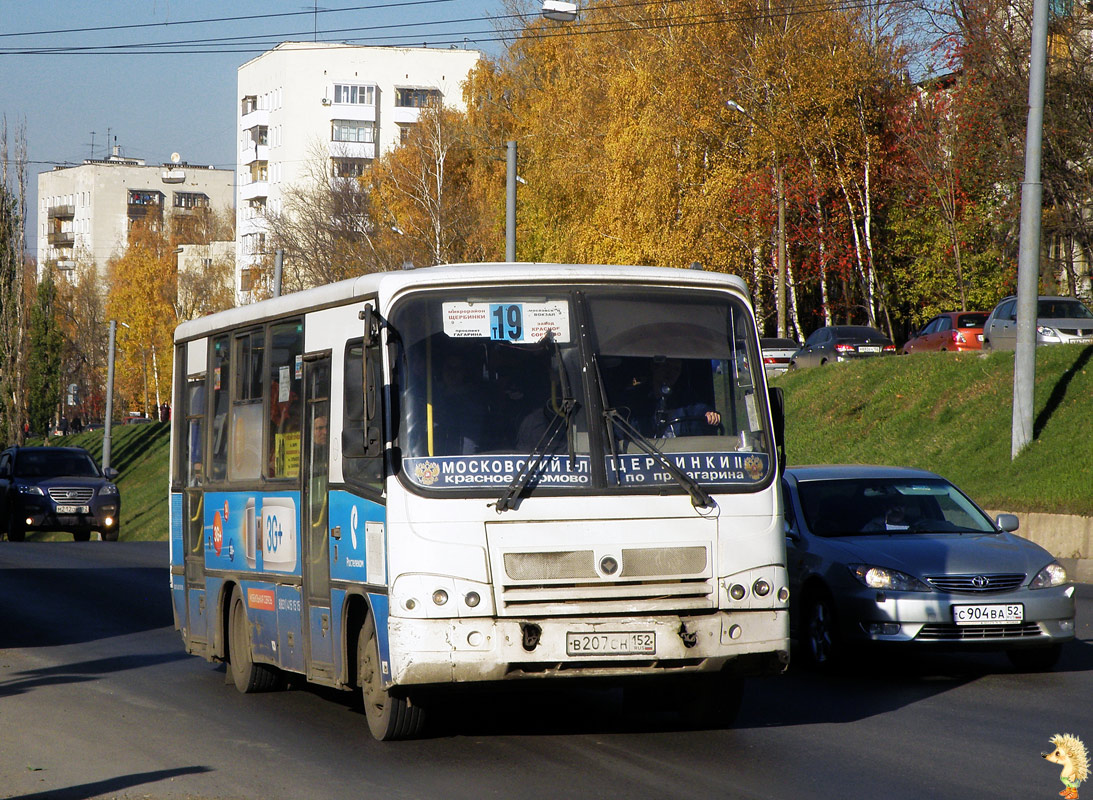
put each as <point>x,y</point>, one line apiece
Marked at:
<point>390,283</point>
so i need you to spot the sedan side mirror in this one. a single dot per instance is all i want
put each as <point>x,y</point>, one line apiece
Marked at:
<point>1008,522</point>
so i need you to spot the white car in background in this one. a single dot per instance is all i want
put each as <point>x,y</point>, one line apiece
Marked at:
<point>1059,320</point>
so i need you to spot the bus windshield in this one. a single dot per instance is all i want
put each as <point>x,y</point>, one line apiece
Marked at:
<point>489,379</point>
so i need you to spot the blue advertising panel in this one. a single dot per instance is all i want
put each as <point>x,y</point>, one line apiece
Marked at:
<point>253,531</point>
<point>358,551</point>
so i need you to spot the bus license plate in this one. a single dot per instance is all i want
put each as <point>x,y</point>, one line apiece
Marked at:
<point>988,615</point>
<point>72,509</point>
<point>610,644</point>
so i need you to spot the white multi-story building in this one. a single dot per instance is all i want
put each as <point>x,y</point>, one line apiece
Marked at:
<point>85,212</point>
<point>345,103</point>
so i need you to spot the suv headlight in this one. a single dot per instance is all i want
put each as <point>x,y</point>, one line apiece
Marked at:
<point>23,489</point>
<point>889,579</point>
<point>108,488</point>
<point>1054,574</point>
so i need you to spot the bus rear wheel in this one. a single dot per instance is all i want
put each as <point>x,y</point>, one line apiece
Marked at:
<point>389,716</point>
<point>247,676</point>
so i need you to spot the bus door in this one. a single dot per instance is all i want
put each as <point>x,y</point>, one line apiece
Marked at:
<point>192,432</point>
<point>318,621</point>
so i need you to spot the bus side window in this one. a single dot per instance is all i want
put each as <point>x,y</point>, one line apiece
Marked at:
<point>220,379</point>
<point>246,413</point>
<point>362,424</point>
<point>286,398</point>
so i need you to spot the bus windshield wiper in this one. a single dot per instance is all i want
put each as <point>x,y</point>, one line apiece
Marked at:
<point>560,422</point>
<point>700,498</point>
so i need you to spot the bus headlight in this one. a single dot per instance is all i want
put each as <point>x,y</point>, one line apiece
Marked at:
<point>437,597</point>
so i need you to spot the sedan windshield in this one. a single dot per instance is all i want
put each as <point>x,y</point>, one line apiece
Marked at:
<point>861,506</point>
<point>1062,309</point>
<point>54,464</point>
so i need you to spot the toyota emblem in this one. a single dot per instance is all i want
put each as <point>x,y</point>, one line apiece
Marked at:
<point>981,581</point>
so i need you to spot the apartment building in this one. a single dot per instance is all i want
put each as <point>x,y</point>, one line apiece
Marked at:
<point>85,212</point>
<point>345,104</point>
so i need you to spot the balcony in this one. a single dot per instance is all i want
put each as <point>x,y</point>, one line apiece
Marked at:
<point>252,153</point>
<point>251,119</point>
<point>352,150</point>
<point>62,239</point>
<point>406,115</point>
<point>254,190</point>
<point>62,212</point>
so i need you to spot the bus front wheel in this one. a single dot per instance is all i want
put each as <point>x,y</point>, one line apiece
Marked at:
<point>389,716</point>
<point>247,676</point>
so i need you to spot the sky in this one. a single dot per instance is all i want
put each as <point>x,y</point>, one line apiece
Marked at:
<point>159,76</point>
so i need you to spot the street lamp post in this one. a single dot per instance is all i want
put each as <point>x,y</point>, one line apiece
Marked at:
<point>109,397</point>
<point>780,198</point>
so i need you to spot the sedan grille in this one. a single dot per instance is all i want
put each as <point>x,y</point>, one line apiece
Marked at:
<point>977,584</point>
<point>1076,331</point>
<point>967,633</point>
<point>75,495</point>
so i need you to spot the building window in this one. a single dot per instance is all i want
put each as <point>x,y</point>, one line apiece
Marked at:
<point>348,130</point>
<point>349,167</point>
<point>354,95</point>
<point>404,133</point>
<point>250,104</point>
<point>417,98</point>
<point>259,134</point>
<point>191,200</point>
<point>140,197</point>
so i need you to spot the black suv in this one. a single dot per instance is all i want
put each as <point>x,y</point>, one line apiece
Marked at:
<point>57,489</point>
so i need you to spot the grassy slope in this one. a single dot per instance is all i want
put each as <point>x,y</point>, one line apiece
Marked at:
<point>951,413</point>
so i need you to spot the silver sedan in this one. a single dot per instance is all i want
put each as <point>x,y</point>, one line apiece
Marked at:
<point>901,556</point>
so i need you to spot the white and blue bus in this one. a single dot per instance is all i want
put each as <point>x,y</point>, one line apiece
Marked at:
<point>482,473</point>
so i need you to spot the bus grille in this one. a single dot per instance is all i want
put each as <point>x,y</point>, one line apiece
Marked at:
<point>650,580</point>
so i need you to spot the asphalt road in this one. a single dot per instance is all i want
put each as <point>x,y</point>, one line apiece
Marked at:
<point>97,699</point>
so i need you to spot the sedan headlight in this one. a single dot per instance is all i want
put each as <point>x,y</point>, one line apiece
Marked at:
<point>888,579</point>
<point>1054,574</point>
<point>1047,332</point>
<point>108,488</point>
<point>30,490</point>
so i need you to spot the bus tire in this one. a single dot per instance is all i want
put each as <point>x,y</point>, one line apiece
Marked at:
<point>389,716</point>
<point>247,676</point>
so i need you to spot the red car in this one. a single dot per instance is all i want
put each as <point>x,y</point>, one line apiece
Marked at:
<point>953,330</point>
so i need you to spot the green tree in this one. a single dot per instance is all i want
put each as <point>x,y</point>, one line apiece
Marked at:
<point>45,346</point>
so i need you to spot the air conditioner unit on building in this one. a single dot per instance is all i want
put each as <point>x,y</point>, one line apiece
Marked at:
<point>326,101</point>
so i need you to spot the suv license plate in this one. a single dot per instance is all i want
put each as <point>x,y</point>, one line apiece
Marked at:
<point>989,614</point>
<point>610,644</point>
<point>72,509</point>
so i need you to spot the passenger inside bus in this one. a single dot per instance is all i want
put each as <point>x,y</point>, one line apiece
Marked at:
<point>670,397</point>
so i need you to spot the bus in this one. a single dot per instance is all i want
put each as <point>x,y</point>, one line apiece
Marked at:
<point>482,473</point>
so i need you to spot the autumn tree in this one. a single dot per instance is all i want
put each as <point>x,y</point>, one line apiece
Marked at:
<point>45,344</point>
<point>13,284</point>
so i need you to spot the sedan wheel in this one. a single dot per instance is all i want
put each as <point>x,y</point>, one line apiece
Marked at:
<point>819,635</point>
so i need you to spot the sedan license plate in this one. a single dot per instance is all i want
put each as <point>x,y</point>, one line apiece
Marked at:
<point>610,644</point>
<point>868,349</point>
<point>72,509</point>
<point>1001,614</point>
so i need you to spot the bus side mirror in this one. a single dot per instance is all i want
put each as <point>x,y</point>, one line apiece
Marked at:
<point>777,400</point>
<point>371,324</point>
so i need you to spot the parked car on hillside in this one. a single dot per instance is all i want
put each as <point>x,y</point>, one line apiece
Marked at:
<point>902,557</point>
<point>777,354</point>
<point>952,330</point>
<point>57,489</point>
<point>1059,320</point>
<point>841,343</point>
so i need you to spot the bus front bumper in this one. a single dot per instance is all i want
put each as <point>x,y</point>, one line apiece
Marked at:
<point>443,651</point>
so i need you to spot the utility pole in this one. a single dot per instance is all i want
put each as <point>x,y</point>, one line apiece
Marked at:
<point>510,204</point>
<point>1028,263</point>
